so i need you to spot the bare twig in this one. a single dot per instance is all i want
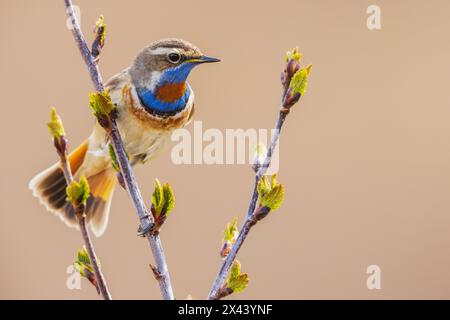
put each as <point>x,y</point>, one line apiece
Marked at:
<point>254,214</point>
<point>146,220</point>
<point>250,221</point>
<point>102,286</point>
<point>60,142</point>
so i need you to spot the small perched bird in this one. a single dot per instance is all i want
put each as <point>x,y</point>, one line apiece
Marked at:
<point>153,99</point>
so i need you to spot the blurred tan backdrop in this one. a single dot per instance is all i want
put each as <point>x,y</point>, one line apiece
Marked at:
<point>365,157</point>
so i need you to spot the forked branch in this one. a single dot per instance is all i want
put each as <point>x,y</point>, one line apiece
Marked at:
<point>77,194</point>
<point>108,122</point>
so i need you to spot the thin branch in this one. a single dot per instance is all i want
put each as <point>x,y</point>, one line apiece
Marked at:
<point>146,220</point>
<point>84,49</point>
<point>102,286</point>
<point>254,214</point>
<point>60,143</point>
<point>250,220</point>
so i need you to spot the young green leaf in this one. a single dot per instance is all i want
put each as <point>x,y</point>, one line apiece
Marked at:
<point>157,197</point>
<point>273,198</point>
<point>231,232</point>
<point>101,103</point>
<point>83,256</point>
<point>163,199</point>
<point>273,181</point>
<point>55,125</point>
<point>263,186</point>
<point>271,194</point>
<point>299,81</point>
<point>237,281</point>
<point>78,192</point>
<point>83,262</point>
<point>84,266</point>
<point>169,199</point>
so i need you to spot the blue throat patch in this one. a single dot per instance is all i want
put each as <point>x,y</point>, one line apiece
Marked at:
<point>177,74</point>
<point>156,106</point>
<point>174,75</point>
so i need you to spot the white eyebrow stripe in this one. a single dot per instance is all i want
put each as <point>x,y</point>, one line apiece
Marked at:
<point>162,50</point>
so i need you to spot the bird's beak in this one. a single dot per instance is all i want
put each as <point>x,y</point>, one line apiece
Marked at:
<point>204,59</point>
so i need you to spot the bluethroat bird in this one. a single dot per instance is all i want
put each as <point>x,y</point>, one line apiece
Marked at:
<point>153,98</point>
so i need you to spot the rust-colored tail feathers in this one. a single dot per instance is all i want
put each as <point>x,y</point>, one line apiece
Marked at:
<point>49,187</point>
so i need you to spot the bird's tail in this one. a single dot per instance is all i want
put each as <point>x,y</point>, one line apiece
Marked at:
<point>49,187</point>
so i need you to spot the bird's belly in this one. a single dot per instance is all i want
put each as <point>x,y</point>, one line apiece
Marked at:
<point>140,141</point>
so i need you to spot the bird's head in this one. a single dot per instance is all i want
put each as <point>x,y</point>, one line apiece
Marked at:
<point>160,71</point>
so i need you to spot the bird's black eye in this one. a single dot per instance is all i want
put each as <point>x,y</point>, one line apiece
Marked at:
<point>174,57</point>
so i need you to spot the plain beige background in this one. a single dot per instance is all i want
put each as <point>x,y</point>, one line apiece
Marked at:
<point>365,155</point>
